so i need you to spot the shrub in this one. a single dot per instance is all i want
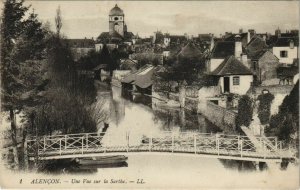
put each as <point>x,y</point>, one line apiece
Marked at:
<point>245,112</point>
<point>264,107</point>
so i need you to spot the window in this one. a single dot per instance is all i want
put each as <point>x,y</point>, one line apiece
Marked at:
<point>254,65</point>
<point>236,81</point>
<point>283,53</point>
<point>116,18</point>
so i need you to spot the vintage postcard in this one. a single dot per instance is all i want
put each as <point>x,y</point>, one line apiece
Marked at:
<point>149,94</point>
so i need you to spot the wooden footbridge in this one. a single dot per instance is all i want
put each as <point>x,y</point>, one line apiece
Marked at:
<point>185,143</point>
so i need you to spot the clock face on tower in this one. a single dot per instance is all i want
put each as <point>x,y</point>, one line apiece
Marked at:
<point>116,21</point>
<point>116,18</point>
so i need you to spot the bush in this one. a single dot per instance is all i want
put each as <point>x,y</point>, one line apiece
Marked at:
<point>264,107</point>
<point>286,122</point>
<point>245,112</point>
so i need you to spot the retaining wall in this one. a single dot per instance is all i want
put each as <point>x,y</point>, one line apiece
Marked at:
<point>221,117</point>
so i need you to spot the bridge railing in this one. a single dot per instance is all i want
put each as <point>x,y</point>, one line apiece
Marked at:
<point>207,143</point>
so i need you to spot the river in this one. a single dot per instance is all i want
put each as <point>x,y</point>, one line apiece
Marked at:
<point>139,116</point>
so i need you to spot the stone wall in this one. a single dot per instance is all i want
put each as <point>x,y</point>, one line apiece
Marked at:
<point>221,117</point>
<point>191,104</point>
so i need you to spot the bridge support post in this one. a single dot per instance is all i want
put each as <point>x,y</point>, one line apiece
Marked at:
<point>238,142</point>
<point>241,145</point>
<point>59,146</point>
<point>66,140</point>
<point>44,144</point>
<point>86,141</point>
<point>82,145</point>
<point>217,144</point>
<point>127,139</point>
<point>264,148</point>
<point>150,143</point>
<point>256,166</point>
<point>26,164</point>
<point>195,144</point>
<point>172,142</point>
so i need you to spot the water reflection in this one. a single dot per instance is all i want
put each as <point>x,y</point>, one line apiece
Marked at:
<point>70,166</point>
<point>126,105</point>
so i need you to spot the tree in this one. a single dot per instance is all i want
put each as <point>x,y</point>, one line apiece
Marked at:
<point>23,45</point>
<point>58,21</point>
<point>245,112</point>
<point>105,58</point>
<point>12,25</point>
<point>285,124</point>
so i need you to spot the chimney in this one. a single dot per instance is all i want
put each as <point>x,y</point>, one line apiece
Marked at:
<point>292,44</point>
<point>278,32</point>
<point>245,60</point>
<point>240,30</point>
<point>238,47</point>
<point>212,42</point>
<point>248,37</point>
<point>252,32</point>
<point>264,37</point>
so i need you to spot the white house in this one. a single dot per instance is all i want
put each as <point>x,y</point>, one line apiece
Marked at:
<point>233,76</point>
<point>224,49</point>
<point>286,49</point>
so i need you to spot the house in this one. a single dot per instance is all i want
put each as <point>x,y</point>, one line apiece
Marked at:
<point>264,66</point>
<point>174,40</point>
<point>219,53</point>
<point>233,76</point>
<point>286,49</point>
<point>189,51</point>
<point>139,81</point>
<point>256,46</point>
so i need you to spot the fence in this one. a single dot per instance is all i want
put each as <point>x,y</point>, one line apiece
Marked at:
<point>231,146</point>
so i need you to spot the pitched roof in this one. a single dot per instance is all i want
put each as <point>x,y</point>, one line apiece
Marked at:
<point>128,35</point>
<point>144,78</point>
<point>115,34</point>
<point>189,50</point>
<point>141,78</point>
<point>256,47</point>
<point>285,42</point>
<point>223,49</point>
<point>205,37</point>
<point>231,66</point>
<point>232,36</point>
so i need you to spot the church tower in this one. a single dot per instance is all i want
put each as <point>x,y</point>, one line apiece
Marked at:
<point>116,21</point>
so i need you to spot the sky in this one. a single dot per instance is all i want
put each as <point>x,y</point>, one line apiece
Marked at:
<point>90,18</point>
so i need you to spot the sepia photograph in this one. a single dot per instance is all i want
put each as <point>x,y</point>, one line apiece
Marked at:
<point>149,94</point>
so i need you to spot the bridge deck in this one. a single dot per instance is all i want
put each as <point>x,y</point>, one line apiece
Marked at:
<point>209,145</point>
